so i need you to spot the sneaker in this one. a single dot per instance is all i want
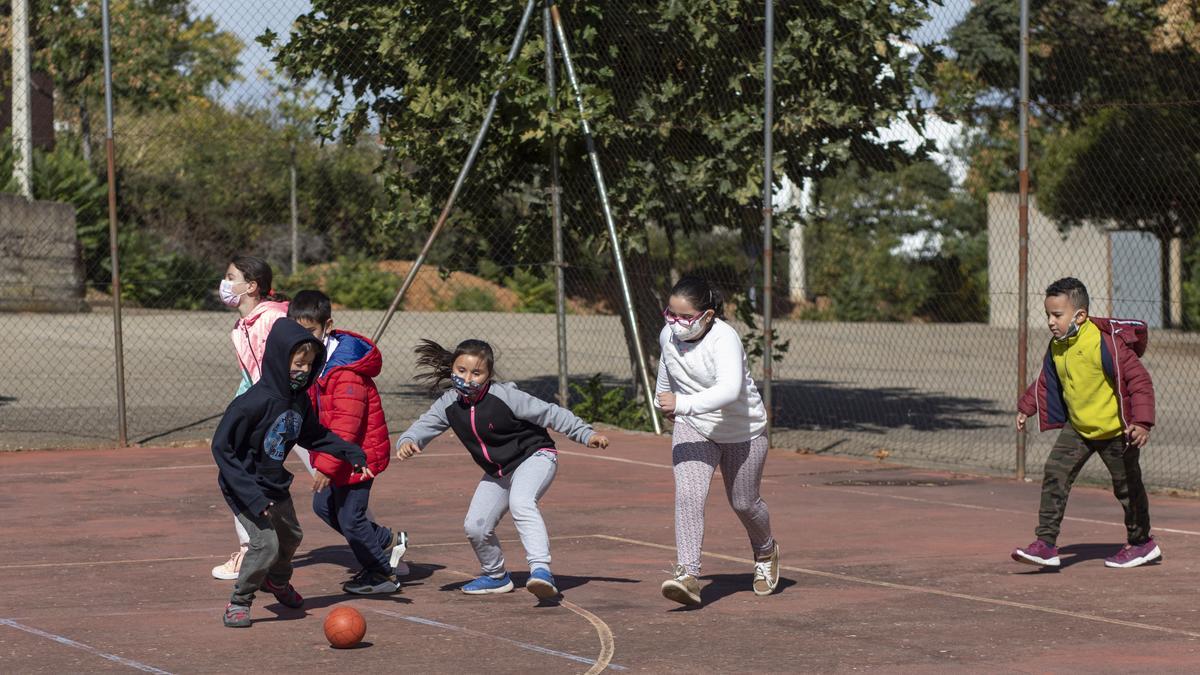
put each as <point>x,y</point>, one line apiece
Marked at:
<point>1132,556</point>
<point>228,570</point>
<point>286,595</point>
<point>766,572</point>
<point>237,616</point>
<point>541,584</point>
<point>1038,553</point>
<point>485,584</point>
<point>682,587</point>
<point>397,547</point>
<point>372,583</point>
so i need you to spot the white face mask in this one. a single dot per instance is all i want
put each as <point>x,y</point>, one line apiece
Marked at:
<point>1072,330</point>
<point>688,332</point>
<point>228,297</point>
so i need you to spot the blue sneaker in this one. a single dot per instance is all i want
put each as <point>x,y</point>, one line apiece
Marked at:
<point>541,584</point>
<point>485,584</point>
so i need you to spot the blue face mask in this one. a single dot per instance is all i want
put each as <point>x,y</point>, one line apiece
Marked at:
<point>468,390</point>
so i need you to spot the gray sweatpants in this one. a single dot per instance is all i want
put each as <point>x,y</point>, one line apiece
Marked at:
<point>274,539</point>
<point>518,494</point>
<point>696,458</point>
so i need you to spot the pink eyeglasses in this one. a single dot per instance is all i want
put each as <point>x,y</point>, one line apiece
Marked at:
<point>672,317</point>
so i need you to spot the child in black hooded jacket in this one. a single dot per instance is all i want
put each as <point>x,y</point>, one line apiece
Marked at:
<point>250,444</point>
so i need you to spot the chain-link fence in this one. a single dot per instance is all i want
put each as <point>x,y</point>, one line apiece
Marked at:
<point>327,138</point>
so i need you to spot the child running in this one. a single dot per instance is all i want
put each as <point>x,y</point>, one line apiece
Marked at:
<point>504,429</point>
<point>704,385</point>
<point>250,445</point>
<point>347,403</point>
<point>247,288</point>
<point>1094,387</point>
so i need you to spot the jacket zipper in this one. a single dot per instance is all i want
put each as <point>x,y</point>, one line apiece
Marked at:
<point>488,457</point>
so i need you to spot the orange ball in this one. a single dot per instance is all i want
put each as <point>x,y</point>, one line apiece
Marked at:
<point>345,627</point>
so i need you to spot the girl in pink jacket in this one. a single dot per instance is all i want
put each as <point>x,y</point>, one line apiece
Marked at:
<point>247,288</point>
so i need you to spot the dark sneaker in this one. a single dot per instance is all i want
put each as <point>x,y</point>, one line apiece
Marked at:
<point>1038,553</point>
<point>237,616</point>
<point>682,587</point>
<point>286,595</point>
<point>372,583</point>
<point>541,584</point>
<point>485,584</point>
<point>1132,556</point>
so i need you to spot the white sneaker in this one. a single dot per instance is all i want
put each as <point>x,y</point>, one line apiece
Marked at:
<point>399,548</point>
<point>228,570</point>
<point>766,573</point>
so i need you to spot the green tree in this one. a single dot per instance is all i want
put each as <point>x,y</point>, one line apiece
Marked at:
<point>674,91</point>
<point>162,56</point>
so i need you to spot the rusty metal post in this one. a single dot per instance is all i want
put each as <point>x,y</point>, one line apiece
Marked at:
<point>113,248</point>
<point>1023,235</point>
<point>768,208</point>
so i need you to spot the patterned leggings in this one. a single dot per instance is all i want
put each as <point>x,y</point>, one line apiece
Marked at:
<point>696,458</point>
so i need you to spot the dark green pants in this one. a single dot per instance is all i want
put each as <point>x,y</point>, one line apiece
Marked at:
<point>273,541</point>
<point>1070,453</point>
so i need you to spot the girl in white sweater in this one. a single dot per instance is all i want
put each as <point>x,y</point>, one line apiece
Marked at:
<point>704,385</point>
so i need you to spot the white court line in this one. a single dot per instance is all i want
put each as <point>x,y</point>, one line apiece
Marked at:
<point>523,645</point>
<point>136,665</point>
<point>614,459</point>
<point>925,589</point>
<point>987,508</point>
<point>37,474</point>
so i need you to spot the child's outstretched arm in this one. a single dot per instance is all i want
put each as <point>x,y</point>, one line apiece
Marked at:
<point>316,437</point>
<point>233,433</point>
<point>428,427</point>
<point>544,414</point>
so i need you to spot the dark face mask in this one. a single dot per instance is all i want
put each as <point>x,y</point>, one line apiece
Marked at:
<point>297,379</point>
<point>468,390</point>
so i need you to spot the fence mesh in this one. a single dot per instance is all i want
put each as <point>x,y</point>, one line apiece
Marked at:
<point>895,247</point>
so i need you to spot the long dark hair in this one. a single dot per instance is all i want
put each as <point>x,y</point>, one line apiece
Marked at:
<point>700,294</point>
<point>259,271</point>
<point>438,362</point>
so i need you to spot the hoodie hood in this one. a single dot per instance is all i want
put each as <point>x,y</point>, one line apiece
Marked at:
<point>285,336</point>
<point>1130,331</point>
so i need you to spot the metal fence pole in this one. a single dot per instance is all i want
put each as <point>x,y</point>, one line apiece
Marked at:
<point>462,176</point>
<point>1023,233</point>
<point>618,258</point>
<point>560,291</point>
<point>768,207</point>
<point>113,248</point>
<point>22,100</point>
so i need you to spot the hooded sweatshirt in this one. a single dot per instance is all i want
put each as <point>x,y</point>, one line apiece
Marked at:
<point>260,427</point>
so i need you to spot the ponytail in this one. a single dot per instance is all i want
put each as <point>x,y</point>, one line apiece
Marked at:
<point>437,362</point>
<point>259,271</point>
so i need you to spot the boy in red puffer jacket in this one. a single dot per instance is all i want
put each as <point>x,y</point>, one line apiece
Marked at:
<point>347,402</point>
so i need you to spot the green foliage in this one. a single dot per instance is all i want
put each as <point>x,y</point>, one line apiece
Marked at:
<point>610,405</point>
<point>753,339</point>
<point>360,284</point>
<point>855,253</point>
<point>470,299</point>
<point>152,276</point>
<point>536,294</point>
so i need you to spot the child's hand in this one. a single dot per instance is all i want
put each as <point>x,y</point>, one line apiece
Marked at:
<point>598,441</point>
<point>666,403</point>
<point>1021,417</point>
<point>320,481</point>
<point>1138,435</point>
<point>364,471</point>
<point>407,449</point>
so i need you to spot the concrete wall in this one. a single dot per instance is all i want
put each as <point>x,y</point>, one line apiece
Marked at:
<point>1081,252</point>
<point>40,266</point>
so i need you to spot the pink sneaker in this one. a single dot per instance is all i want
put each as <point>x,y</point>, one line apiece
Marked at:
<point>1132,556</point>
<point>1038,553</point>
<point>286,595</point>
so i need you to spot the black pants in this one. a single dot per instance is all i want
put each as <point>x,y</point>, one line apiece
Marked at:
<point>1071,451</point>
<point>344,508</point>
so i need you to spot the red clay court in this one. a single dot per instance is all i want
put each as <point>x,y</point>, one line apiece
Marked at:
<point>886,568</point>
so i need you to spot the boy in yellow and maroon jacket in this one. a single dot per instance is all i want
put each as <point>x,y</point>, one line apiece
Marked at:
<point>1094,387</point>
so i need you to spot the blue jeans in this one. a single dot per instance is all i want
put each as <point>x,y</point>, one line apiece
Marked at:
<point>344,508</point>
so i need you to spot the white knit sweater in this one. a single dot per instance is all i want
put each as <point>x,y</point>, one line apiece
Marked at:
<point>714,392</point>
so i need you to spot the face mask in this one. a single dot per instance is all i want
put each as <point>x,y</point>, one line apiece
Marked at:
<point>228,297</point>
<point>468,390</point>
<point>1072,330</point>
<point>297,378</point>
<point>687,332</point>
